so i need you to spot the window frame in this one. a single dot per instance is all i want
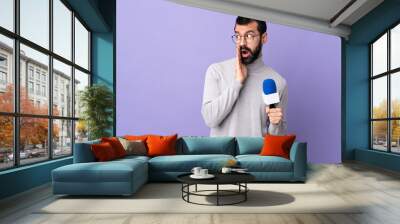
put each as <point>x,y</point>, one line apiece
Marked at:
<point>388,74</point>
<point>16,114</point>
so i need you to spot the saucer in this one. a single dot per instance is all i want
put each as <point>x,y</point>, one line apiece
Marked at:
<point>208,176</point>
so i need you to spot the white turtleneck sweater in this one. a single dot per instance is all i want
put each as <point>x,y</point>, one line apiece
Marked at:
<point>233,109</point>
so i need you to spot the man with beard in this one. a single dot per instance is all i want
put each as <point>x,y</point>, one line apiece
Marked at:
<point>232,102</point>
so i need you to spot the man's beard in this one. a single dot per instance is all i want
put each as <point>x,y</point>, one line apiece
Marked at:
<point>253,55</point>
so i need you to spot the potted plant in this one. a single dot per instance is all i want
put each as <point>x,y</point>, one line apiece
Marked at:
<point>97,106</point>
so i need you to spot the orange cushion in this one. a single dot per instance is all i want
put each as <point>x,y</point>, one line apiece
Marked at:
<point>116,145</point>
<point>161,145</point>
<point>136,137</point>
<point>103,151</point>
<point>277,145</point>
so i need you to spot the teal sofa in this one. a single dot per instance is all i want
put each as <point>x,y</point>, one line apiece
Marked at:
<point>125,176</point>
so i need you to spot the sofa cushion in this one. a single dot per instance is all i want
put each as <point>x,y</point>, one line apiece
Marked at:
<point>161,145</point>
<point>275,145</point>
<point>116,144</point>
<point>112,171</point>
<point>134,147</point>
<point>103,151</point>
<point>185,163</point>
<point>257,163</point>
<point>249,145</point>
<point>136,137</point>
<point>207,145</point>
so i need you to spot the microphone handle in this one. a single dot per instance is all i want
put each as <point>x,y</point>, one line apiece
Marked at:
<point>272,106</point>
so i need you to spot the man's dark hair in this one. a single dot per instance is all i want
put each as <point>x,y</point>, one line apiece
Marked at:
<point>261,25</point>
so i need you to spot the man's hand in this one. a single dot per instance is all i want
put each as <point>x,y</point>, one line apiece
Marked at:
<point>274,114</point>
<point>241,69</point>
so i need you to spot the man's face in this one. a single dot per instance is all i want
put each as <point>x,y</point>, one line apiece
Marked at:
<point>251,41</point>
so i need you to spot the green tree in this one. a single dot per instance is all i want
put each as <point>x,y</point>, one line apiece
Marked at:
<point>97,104</point>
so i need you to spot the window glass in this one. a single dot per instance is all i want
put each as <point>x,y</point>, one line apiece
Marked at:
<point>81,82</point>
<point>379,97</point>
<point>39,62</point>
<point>6,74</point>
<point>6,142</point>
<point>395,47</point>
<point>34,21</point>
<point>81,45</point>
<point>395,95</point>
<point>33,140</point>
<point>62,91</point>
<point>62,138</point>
<point>379,56</point>
<point>7,14</point>
<point>62,29</point>
<point>379,135</point>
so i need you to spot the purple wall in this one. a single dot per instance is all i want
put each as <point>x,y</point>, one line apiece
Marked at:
<point>162,59</point>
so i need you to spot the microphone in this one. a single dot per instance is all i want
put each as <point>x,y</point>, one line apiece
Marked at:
<point>270,95</point>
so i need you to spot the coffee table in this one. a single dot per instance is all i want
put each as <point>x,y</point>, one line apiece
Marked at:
<point>238,179</point>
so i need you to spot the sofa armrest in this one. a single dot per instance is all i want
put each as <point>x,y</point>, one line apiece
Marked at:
<point>83,152</point>
<point>298,155</point>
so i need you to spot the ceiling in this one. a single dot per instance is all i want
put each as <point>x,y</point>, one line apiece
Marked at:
<point>326,16</point>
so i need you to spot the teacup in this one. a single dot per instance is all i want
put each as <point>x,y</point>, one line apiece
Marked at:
<point>203,172</point>
<point>196,170</point>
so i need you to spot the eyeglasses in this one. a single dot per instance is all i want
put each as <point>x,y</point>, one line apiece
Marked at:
<point>249,37</point>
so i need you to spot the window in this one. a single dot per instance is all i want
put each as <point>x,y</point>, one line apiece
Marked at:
<point>6,73</point>
<point>62,74</point>
<point>81,81</point>
<point>44,91</point>
<point>385,91</point>
<point>6,142</point>
<point>38,74</point>
<point>30,72</point>
<point>35,21</point>
<point>30,87</point>
<point>395,47</point>
<point>44,131</point>
<point>62,137</point>
<point>62,29</point>
<point>33,147</point>
<point>7,14</point>
<point>37,89</point>
<point>81,45</point>
<point>3,72</point>
<point>3,78</point>
<point>3,61</point>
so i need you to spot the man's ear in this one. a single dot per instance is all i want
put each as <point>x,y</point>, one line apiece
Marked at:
<point>264,38</point>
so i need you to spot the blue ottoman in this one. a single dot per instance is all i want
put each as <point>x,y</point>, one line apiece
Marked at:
<point>118,177</point>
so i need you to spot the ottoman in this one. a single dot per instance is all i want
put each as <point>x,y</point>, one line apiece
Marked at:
<point>118,177</point>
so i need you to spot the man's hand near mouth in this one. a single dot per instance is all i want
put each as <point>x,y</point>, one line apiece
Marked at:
<point>241,69</point>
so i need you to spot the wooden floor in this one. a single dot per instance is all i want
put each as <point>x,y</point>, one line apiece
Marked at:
<point>378,188</point>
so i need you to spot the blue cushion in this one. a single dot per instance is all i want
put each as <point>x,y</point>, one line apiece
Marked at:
<point>249,145</point>
<point>257,163</point>
<point>206,145</point>
<point>185,163</point>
